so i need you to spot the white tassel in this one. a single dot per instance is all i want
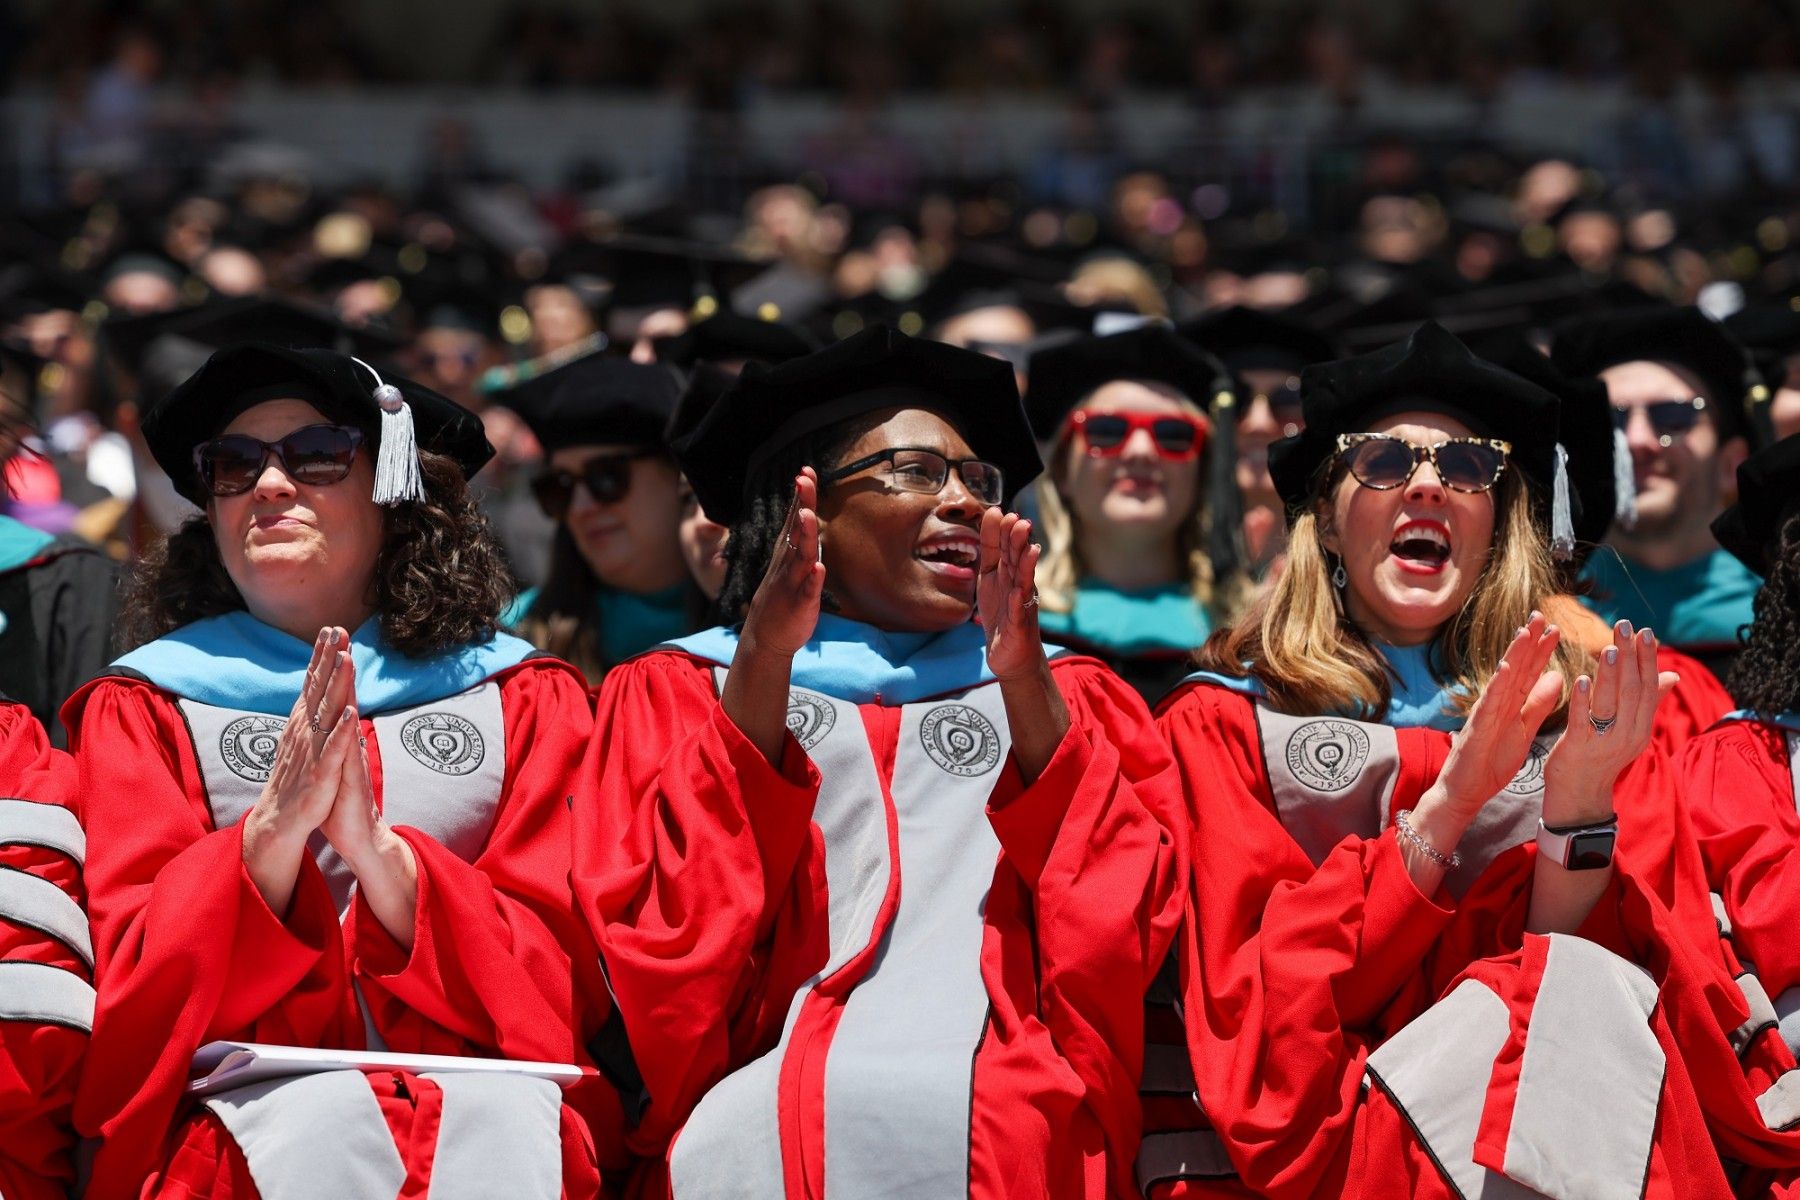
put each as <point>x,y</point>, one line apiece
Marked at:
<point>1624,482</point>
<point>1562,520</point>
<point>397,476</point>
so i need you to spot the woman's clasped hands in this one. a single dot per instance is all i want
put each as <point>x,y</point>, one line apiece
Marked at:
<point>320,782</point>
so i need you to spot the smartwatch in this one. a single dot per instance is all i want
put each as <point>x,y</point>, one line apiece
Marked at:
<point>1579,847</point>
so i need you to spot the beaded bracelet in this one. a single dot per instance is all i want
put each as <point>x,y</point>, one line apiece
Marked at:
<point>1403,829</point>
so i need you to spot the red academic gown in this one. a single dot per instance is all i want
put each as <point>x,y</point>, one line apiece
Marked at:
<point>1351,1036</point>
<point>46,992</point>
<point>885,965</point>
<point>1739,781</point>
<point>189,952</point>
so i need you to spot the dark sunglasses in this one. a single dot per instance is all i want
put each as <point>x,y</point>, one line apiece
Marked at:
<point>1284,406</point>
<point>317,456</point>
<point>1384,462</point>
<point>1669,419</point>
<point>1176,436</point>
<point>607,478</point>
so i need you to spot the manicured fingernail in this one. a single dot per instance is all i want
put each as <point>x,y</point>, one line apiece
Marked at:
<point>1519,632</point>
<point>1646,637</point>
<point>1612,655</point>
<point>349,712</point>
<point>1549,629</point>
<point>1535,614</point>
<point>1581,685</point>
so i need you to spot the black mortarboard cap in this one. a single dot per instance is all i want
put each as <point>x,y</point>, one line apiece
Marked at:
<point>597,399</point>
<point>1248,339</point>
<point>239,377</point>
<point>1768,484</point>
<point>1065,374</point>
<point>772,406</point>
<point>27,288</point>
<point>1685,337</point>
<point>727,336</point>
<point>1430,371</point>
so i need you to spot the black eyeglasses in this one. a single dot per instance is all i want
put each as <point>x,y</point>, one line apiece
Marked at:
<point>607,478</point>
<point>912,469</point>
<point>1669,419</point>
<point>1384,462</point>
<point>317,456</point>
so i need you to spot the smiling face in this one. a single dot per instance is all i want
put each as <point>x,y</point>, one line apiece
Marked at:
<point>1135,492</point>
<point>630,545</point>
<point>902,561</point>
<point>1678,484</point>
<point>1412,555</point>
<point>283,541</point>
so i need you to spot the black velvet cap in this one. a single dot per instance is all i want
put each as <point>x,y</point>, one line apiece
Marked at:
<point>1065,374</point>
<point>728,336</point>
<point>1248,339</point>
<point>1585,430</point>
<point>773,406</point>
<point>597,399</point>
<point>1431,371</point>
<point>240,377</point>
<point>1684,337</point>
<point>1768,494</point>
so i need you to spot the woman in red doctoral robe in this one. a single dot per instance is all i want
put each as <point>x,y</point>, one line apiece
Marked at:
<point>1389,985</point>
<point>1740,775</point>
<point>328,809</point>
<point>46,960</point>
<point>878,891</point>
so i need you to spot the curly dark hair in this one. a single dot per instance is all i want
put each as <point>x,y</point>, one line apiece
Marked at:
<point>1765,678</point>
<point>441,578</point>
<point>770,489</point>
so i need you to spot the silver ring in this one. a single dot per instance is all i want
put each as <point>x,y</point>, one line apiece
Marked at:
<point>1032,602</point>
<point>316,727</point>
<point>1601,726</point>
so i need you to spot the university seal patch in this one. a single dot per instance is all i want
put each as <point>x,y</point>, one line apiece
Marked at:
<point>1531,775</point>
<point>809,718</point>
<point>248,746</point>
<point>443,741</point>
<point>960,740</point>
<point>1327,756</point>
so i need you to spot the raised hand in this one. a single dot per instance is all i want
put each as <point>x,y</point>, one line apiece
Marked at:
<point>387,873</point>
<point>1610,721</point>
<point>303,783</point>
<point>1492,744</point>
<point>352,824</point>
<point>785,609</point>
<point>1006,595</point>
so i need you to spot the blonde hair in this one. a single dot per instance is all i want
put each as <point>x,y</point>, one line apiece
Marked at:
<point>1297,641</point>
<point>1062,566</point>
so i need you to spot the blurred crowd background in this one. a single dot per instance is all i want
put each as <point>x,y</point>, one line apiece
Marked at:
<point>467,190</point>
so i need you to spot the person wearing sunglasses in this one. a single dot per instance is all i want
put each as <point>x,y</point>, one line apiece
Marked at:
<point>1677,382</point>
<point>326,806</point>
<point>869,861</point>
<point>1138,505</point>
<point>1403,783</point>
<point>617,582</point>
<point>1265,353</point>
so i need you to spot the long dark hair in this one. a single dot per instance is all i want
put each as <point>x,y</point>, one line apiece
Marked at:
<point>441,579</point>
<point>769,490</point>
<point>1766,676</point>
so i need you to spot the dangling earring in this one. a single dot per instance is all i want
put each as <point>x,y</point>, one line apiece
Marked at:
<point>1338,578</point>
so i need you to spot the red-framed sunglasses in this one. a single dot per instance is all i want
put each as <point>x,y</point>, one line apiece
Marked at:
<point>1176,435</point>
